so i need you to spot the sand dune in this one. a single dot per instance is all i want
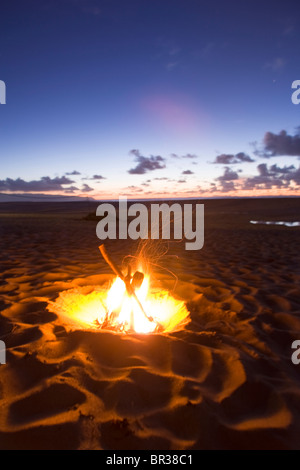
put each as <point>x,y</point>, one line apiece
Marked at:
<point>226,381</point>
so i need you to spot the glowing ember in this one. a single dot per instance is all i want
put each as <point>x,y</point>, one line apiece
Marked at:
<point>124,313</point>
<point>129,305</point>
<point>95,308</point>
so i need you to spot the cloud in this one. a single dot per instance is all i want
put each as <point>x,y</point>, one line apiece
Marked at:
<point>228,186</point>
<point>273,176</point>
<point>94,177</point>
<point>71,190</point>
<point>44,184</point>
<point>135,152</point>
<point>276,64</point>
<point>273,145</point>
<point>286,169</point>
<point>146,164</point>
<point>228,175</point>
<point>86,188</point>
<point>188,155</point>
<point>295,176</point>
<point>181,181</point>
<point>172,65</point>
<point>98,177</point>
<point>226,180</point>
<point>228,159</point>
<point>73,173</point>
<point>280,144</point>
<point>134,188</point>
<point>263,169</point>
<point>169,54</point>
<point>187,172</point>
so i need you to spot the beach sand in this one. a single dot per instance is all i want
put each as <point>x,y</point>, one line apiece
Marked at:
<point>226,381</point>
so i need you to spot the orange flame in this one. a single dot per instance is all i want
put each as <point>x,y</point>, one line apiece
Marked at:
<point>95,308</point>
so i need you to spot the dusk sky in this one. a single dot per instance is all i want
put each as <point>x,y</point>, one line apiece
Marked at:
<point>150,98</point>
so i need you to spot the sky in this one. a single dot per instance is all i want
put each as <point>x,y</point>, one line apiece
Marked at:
<point>150,98</point>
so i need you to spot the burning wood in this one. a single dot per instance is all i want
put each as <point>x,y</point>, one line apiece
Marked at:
<point>131,283</point>
<point>122,307</point>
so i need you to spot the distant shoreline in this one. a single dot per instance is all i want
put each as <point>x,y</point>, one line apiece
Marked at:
<point>41,198</point>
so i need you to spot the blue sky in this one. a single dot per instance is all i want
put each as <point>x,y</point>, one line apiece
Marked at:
<point>141,97</point>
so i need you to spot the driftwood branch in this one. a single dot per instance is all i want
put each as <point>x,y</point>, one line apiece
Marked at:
<point>130,283</point>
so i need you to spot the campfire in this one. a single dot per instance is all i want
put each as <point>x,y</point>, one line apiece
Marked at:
<point>129,305</point>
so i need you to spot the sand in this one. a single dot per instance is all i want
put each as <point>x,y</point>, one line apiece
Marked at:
<point>226,381</point>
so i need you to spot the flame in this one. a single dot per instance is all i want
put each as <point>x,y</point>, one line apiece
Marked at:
<point>95,308</point>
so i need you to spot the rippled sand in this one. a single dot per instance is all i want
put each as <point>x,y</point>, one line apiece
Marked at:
<point>224,382</point>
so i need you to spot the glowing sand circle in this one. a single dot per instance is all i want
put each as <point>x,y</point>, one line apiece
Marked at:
<point>87,308</point>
